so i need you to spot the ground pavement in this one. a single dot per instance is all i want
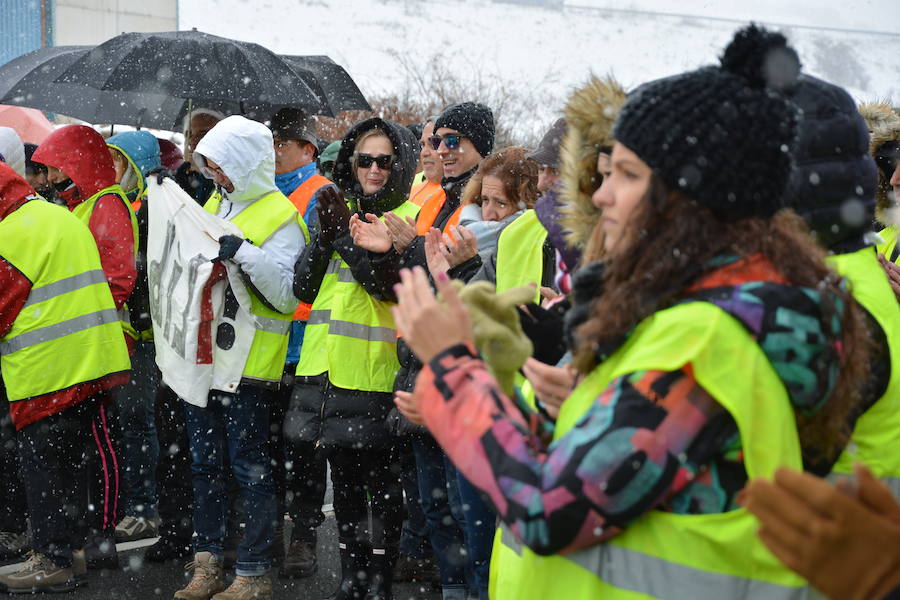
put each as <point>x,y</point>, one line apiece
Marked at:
<point>140,580</point>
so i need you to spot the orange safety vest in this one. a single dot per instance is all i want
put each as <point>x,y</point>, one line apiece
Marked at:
<point>429,213</point>
<point>300,199</point>
<point>422,191</point>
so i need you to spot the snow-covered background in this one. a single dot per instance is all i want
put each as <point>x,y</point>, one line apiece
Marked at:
<point>540,50</point>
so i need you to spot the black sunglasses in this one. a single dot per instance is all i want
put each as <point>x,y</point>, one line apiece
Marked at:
<point>384,162</point>
<point>451,141</point>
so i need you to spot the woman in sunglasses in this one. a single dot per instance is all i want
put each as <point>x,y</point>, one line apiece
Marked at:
<point>348,360</point>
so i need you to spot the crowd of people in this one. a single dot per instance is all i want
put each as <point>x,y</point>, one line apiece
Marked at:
<point>653,357</point>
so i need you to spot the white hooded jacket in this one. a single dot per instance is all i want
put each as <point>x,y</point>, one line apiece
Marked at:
<point>12,149</point>
<point>245,152</point>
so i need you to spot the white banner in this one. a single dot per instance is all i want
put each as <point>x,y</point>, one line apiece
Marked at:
<point>202,326</point>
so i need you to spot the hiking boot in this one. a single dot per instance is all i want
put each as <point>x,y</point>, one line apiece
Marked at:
<point>247,588</point>
<point>100,551</point>
<point>38,575</point>
<point>300,561</point>
<point>208,578</point>
<point>168,549</point>
<point>79,567</point>
<point>131,529</point>
<point>13,545</point>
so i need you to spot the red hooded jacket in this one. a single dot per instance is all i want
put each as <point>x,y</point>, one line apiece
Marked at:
<point>82,154</point>
<point>14,290</point>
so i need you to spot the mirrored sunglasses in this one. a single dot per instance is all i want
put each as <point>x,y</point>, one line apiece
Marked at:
<point>451,141</point>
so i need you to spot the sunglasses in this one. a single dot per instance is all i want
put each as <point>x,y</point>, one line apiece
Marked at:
<point>384,162</point>
<point>451,141</point>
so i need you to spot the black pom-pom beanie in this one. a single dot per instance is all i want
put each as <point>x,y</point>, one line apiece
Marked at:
<point>723,135</point>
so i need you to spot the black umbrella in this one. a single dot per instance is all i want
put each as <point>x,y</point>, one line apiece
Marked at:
<point>340,91</point>
<point>193,65</point>
<point>29,81</point>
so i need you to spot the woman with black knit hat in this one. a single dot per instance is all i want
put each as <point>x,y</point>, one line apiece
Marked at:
<point>716,346</point>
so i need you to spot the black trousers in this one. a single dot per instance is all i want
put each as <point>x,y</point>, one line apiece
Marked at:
<point>174,491</point>
<point>104,463</point>
<point>13,505</point>
<point>356,473</point>
<point>299,469</point>
<point>52,455</point>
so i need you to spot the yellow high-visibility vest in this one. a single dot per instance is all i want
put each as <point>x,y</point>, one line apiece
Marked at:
<point>662,554</point>
<point>351,335</point>
<point>68,331</point>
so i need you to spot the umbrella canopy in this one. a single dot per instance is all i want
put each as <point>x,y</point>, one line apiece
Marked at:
<point>31,124</point>
<point>193,65</point>
<point>29,80</point>
<point>340,91</point>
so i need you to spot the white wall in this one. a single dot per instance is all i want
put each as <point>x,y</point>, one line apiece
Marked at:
<point>95,21</point>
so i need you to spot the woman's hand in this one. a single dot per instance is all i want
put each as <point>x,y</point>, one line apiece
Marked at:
<point>370,234</point>
<point>552,385</point>
<point>334,216</point>
<point>402,232</point>
<point>408,405</point>
<point>428,326</point>
<point>893,273</point>
<point>847,547</point>
<point>460,245</point>
<point>434,253</point>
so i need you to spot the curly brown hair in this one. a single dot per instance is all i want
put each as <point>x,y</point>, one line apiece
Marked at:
<point>518,173</point>
<point>669,239</point>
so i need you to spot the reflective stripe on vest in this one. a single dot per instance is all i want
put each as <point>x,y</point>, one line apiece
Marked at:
<point>349,334</point>
<point>520,254</point>
<point>258,222</point>
<point>876,436</point>
<point>662,554</point>
<point>67,331</point>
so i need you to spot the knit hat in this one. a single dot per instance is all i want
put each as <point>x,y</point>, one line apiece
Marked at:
<point>474,121</point>
<point>722,135</point>
<point>294,124</point>
<point>547,153</point>
<point>834,179</point>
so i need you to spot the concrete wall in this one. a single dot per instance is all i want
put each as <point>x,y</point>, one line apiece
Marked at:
<point>95,21</point>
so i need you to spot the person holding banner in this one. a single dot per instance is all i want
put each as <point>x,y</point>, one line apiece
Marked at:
<point>238,155</point>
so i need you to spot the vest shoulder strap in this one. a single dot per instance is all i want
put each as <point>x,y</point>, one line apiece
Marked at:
<point>301,197</point>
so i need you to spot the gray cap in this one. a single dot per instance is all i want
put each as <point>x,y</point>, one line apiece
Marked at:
<point>293,124</point>
<point>547,152</point>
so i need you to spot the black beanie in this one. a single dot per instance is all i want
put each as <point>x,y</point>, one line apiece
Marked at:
<point>723,135</point>
<point>474,121</point>
<point>834,179</point>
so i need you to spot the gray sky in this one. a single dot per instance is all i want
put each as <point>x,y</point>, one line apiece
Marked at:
<point>866,15</point>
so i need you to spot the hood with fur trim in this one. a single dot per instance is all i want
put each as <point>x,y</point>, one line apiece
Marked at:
<point>12,150</point>
<point>590,114</point>
<point>884,126</point>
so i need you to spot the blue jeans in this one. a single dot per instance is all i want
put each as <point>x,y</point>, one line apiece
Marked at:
<point>239,424</point>
<point>480,524</point>
<point>444,527</point>
<point>140,447</point>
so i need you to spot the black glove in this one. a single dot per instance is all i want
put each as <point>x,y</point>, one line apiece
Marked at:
<point>228,247</point>
<point>334,216</point>
<point>161,173</point>
<point>545,330</point>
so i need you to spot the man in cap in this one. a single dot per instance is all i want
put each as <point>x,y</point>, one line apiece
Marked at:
<point>547,155</point>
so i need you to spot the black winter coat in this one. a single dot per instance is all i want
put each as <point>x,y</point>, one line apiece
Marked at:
<point>319,412</point>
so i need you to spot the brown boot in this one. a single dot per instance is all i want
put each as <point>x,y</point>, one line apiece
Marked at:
<point>300,560</point>
<point>247,588</point>
<point>208,579</point>
<point>38,575</point>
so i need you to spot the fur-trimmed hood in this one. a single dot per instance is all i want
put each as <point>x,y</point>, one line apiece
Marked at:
<point>590,114</point>
<point>884,126</point>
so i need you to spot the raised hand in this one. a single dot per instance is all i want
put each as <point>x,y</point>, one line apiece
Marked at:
<point>370,233</point>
